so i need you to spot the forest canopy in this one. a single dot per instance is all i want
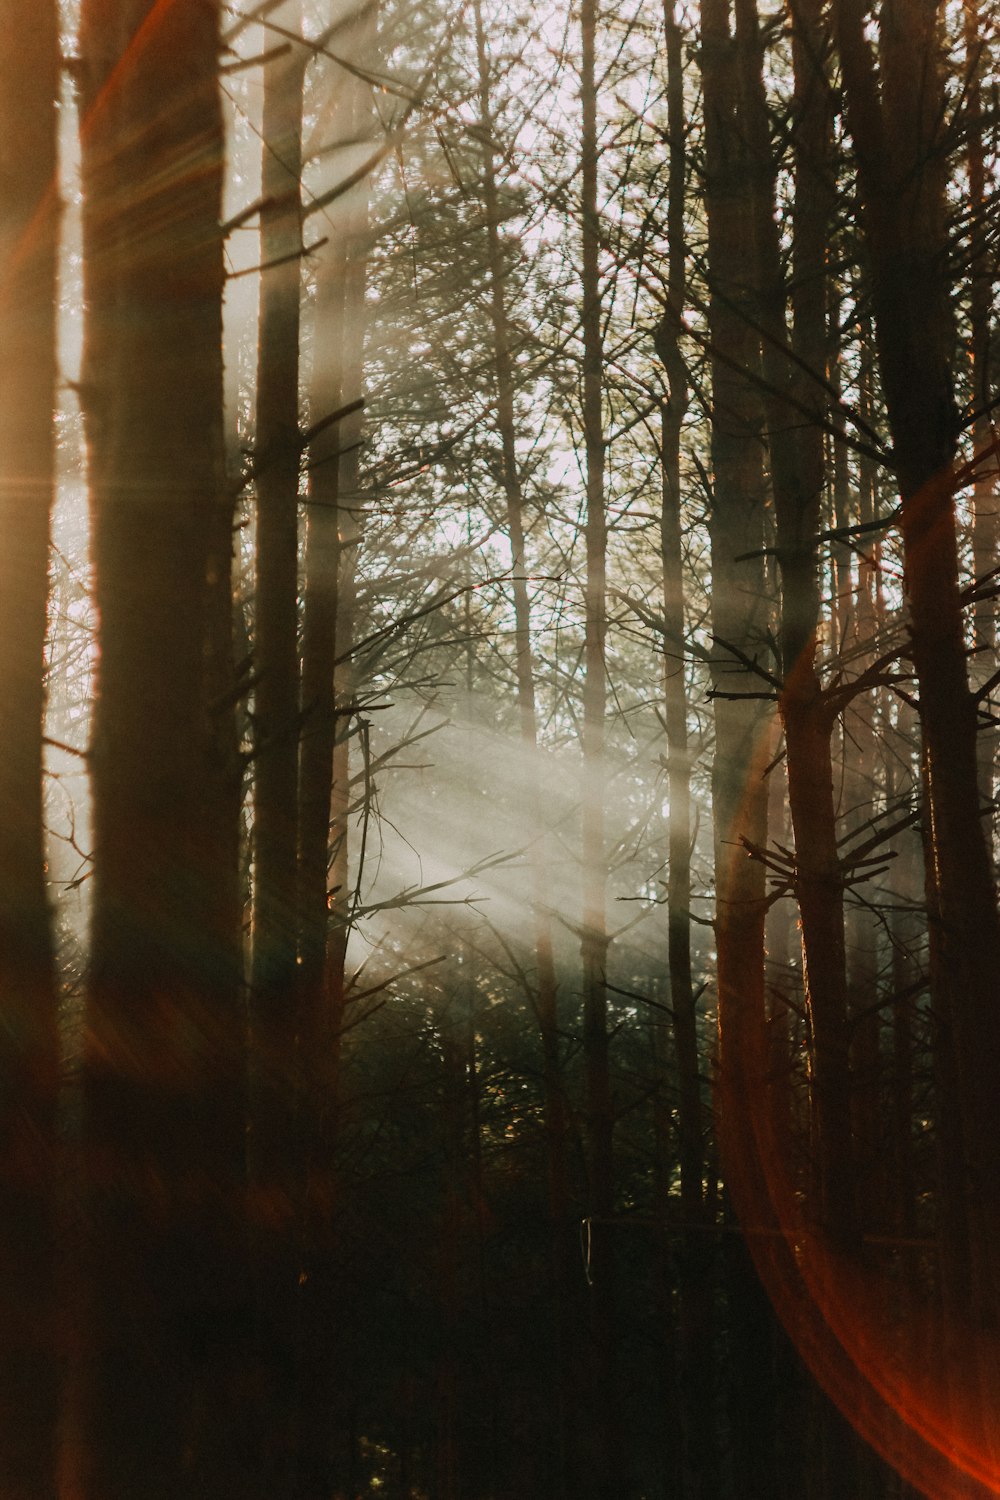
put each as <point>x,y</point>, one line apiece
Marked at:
<point>499,941</point>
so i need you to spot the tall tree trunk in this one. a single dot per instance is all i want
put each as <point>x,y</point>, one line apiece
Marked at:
<point>275,1147</point>
<point>326,678</point>
<point>29,224</point>
<point>606,1475</point>
<point>277,459</point>
<point>328,722</point>
<point>696,1291</point>
<point>333,537</point>
<point>797,476</point>
<point>860,638</point>
<point>900,175</point>
<point>905,933</point>
<point>167,1318</point>
<point>863,924</point>
<point>546,996</point>
<point>320,991</point>
<point>984,492</point>
<point>739,626</point>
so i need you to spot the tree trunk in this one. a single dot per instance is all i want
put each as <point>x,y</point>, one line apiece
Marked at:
<point>739,626</point>
<point>739,615</point>
<point>274,1147</point>
<point>863,919</point>
<point>900,176</point>
<point>29,224</point>
<point>167,1319</point>
<point>797,475</point>
<point>277,459</point>
<point>696,1290</point>
<point>333,537</point>
<point>328,722</point>
<point>984,492</point>
<point>605,1471</point>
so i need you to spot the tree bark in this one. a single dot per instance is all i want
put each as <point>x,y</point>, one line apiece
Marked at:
<point>984,491</point>
<point>167,1317</point>
<point>863,920</point>
<point>739,626</point>
<point>277,461</point>
<point>606,1465</point>
<point>739,618</point>
<point>797,475</point>
<point>901,182</point>
<point>695,1267</point>
<point>329,721</point>
<point>275,1146</point>
<point>29,225</point>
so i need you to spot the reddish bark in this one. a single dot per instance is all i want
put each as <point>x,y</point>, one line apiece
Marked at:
<point>29,224</point>
<point>901,180</point>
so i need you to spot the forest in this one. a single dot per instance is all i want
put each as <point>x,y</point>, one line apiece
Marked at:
<point>499,942</point>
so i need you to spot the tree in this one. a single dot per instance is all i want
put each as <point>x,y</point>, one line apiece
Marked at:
<point>793,375</point>
<point>329,716</point>
<point>162,1062</point>
<point>897,139</point>
<point>607,1455</point>
<point>278,451</point>
<point>30,213</point>
<point>696,1374</point>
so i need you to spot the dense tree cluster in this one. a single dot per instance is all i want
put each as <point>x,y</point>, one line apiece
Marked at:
<point>498,913</point>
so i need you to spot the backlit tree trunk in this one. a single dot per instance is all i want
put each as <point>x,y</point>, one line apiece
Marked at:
<point>29,222</point>
<point>605,1471</point>
<point>329,721</point>
<point>797,471</point>
<point>739,626</point>
<point>696,1268</point>
<point>275,1142</point>
<point>901,180</point>
<point>984,526</point>
<point>277,458</point>
<point>167,1320</point>
<point>739,615</point>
